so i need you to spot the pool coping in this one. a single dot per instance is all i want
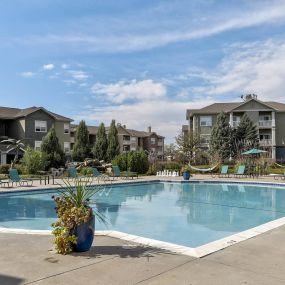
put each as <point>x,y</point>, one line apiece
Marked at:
<point>197,252</point>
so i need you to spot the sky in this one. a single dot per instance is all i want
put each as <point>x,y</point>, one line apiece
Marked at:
<point>140,62</point>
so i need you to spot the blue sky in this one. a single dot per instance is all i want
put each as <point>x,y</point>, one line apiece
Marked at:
<point>139,62</point>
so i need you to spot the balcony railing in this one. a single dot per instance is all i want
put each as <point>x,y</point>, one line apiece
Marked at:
<point>267,123</point>
<point>235,124</point>
<point>160,143</point>
<point>265,142</point>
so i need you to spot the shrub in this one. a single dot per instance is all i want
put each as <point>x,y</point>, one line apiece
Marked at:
<point>4,168</point>
<point>86,171</point>
<point>136,161</point>
<point>34,161</point>
<point>122,161</point>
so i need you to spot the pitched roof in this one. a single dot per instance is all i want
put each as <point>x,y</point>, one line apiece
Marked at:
<point>15,113</point>
<point>228,106</point>
<point>94,129</point>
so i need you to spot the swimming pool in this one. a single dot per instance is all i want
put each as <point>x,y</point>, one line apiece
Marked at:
<point>188,214</point>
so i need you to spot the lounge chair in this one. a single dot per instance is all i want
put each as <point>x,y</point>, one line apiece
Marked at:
<point>99,175</point>
<point>72,173</point>
<point>240,171</point>
<point>15,178</point>
<point>224,171</point>
<point>125,174</point>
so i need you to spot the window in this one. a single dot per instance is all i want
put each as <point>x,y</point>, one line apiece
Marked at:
<point>133,139</point>
<point>38,145</point>
<point>66,128</point>
<point>66,147</point>
<point>206,121</point>
<point>126,138</point>
<point>40,126</point>
<point>152,140</point>
<point>264,118</point>
<point>264,137</point>
<point>126,148</point>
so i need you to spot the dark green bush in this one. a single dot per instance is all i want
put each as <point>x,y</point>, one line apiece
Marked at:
<point>122,161</point>
<point>136,161</point>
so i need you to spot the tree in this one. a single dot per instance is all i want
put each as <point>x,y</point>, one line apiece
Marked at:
<point>17,146</point>
<point>221,137</point>
<point>187,144</point>
<point>81,149</point>
<point>34,161</point>
<point>100,148</point>
<point>245,135</point>
<point>170,150</point>
<point>51,147</point>
<point>113,142</point>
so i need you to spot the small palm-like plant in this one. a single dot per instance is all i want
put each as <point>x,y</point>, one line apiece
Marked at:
<point>73,209</point>
<point>13,144</point>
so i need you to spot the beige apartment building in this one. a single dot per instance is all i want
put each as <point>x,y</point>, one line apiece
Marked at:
<point>130,140</point>
<point>269,117</point>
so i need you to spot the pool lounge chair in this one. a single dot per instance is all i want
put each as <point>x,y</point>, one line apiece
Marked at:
<point>72,174</point>
<point>125,174</point>
<point>240,171</point>
<point>224,171</point>
<point>15,178</point>
<point>99,175</point>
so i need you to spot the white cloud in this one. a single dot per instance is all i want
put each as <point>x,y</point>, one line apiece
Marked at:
<point>79,75</point>
<point>64,66</point>
<point>165,116</point>
<point>48,66</point>
<point>28,74</point>
<point>134,90</point>
<point>249,68</point>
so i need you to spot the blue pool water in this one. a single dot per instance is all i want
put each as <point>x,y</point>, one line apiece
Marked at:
<point>190,214</point>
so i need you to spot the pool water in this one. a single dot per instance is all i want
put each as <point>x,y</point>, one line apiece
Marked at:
<point>190,214</point>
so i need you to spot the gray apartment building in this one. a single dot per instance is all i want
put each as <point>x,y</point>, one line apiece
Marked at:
<point>130,140</point>
<point>31,125</point>
<point>269,118</point>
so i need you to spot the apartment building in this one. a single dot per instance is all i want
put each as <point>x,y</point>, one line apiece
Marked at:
<point>129,139</point>
<point>31,125</point>
<point>269,118</point>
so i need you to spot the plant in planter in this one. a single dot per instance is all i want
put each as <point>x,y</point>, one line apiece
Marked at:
<point>75,226</point>
<point>186,172</point>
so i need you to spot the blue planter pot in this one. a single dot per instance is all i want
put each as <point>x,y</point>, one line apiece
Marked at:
<point>85,235</point>
<point>186,175</point>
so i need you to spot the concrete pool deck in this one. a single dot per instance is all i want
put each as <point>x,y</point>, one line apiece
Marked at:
<point>27,259</point>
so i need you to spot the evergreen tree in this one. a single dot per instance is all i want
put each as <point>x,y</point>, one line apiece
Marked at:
<point>100,148</point>
<point>220,143</point>
<point>81,149</point>
<point>187,144</point>
<point>113,142</point>
<point>51,147</point>
<point>246,134</point>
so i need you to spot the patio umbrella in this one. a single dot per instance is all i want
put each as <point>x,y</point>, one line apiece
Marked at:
<point>254,151</point>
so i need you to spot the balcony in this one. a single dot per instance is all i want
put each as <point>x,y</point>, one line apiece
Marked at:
<point>265,142</point>
<point>235,124</point>
<point>265,124</point>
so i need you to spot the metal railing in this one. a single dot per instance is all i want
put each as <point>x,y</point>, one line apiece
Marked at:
<point>265,142</point>
<point>267,123</point>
